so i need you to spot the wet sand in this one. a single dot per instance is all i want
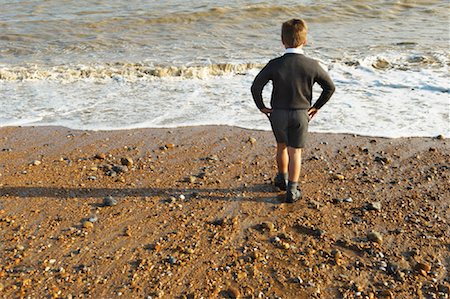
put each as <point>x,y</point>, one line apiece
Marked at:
<point>192,213</point>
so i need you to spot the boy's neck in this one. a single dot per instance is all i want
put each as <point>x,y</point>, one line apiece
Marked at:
<point>298,50</point>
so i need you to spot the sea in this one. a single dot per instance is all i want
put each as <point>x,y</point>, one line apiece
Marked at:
<point>113,64</point>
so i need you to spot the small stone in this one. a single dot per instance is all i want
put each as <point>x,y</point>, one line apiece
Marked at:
<point>440,137</point>
<point>386,294</point>
<point>92,178</point>
<point>2,287</point>
<point>126,161</point>
<point>375,236</point>
<point>191,179</point>
<point>170,145</point>
<point>20,247</point>
<point>171,260</point>
<point>268,225</point>
<point>423,266</point>
<point>109,201</point>
<point>233,292</point>
<point>36,162</point>
<point>182,197</point>
<point>252,140</point>
<point>88,224</point>
<point>374,206</point>
<point>348,200</point>
<point>120,168</point>
<point>100,156</point>
<point>338,177</point>
<point>313,204</point>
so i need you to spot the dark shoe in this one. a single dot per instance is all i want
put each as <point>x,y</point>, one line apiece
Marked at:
<point>293,195</point>
<point>280,183</point>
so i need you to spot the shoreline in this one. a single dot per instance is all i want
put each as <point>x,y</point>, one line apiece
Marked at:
<point>441,135</point>
<point>195,214</point>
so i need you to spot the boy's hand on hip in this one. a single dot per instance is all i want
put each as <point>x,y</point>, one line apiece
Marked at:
<point>266,111</point>
<point>312,111</point>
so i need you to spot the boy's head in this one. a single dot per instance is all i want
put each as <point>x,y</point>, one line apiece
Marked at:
<point>293,33</point>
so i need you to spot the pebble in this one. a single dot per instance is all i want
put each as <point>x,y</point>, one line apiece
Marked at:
<point>20,247</point>
<point>120,168</point>
<point>374,206</point>
<point>126,161</point>
<point>339,177</point>
<point>440,137</point>
<point>233,292</point>
<point>423,267</point>
<point>88,224</point>
<point>2,287</point>
<point>100,156</point>
<point>171,260</point>
<point>191,179</point>
<point>386,294</point>
<point>268,225</point>
<point>36,162</point>
<point>375,236</point>
<point>313,204</point>
<point>348,200</point>
<point>252,140</point>
<point>109,201</point>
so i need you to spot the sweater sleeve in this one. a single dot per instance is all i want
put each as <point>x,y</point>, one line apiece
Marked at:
<point>258,85</point>
<point>327,85</point>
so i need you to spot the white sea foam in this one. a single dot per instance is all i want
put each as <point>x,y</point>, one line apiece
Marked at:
<point>390,102</point>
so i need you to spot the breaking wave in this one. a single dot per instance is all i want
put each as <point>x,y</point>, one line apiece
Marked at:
<point>120,71</point>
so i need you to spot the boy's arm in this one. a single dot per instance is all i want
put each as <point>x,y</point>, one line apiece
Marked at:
<point>328,88</point>
<point>257,88</point>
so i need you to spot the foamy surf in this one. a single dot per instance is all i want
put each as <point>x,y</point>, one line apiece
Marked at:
<point>113,65</point>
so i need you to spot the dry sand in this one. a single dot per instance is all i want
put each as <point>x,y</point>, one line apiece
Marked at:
<point>194,215</point>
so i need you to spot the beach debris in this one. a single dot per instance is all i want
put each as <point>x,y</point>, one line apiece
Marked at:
<point>251,140</point>
<point>109,201</point>
<point>375,237</point>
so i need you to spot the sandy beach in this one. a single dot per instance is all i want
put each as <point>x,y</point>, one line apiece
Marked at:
<point>192,213</point>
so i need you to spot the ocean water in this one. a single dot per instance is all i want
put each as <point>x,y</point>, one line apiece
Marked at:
<point>110,64</point>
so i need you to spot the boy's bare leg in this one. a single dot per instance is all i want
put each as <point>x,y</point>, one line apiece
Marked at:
<point>282,158</point>
<point>295,163</point>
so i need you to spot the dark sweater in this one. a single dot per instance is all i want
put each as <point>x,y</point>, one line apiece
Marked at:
<point>293,76</point>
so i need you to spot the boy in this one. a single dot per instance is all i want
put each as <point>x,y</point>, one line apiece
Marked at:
<point>293,76</point>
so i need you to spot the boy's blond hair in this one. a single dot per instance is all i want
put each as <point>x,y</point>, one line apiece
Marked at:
<point>293,33</point>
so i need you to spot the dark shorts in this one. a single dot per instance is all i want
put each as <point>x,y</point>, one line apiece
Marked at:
<point>290,126</point>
